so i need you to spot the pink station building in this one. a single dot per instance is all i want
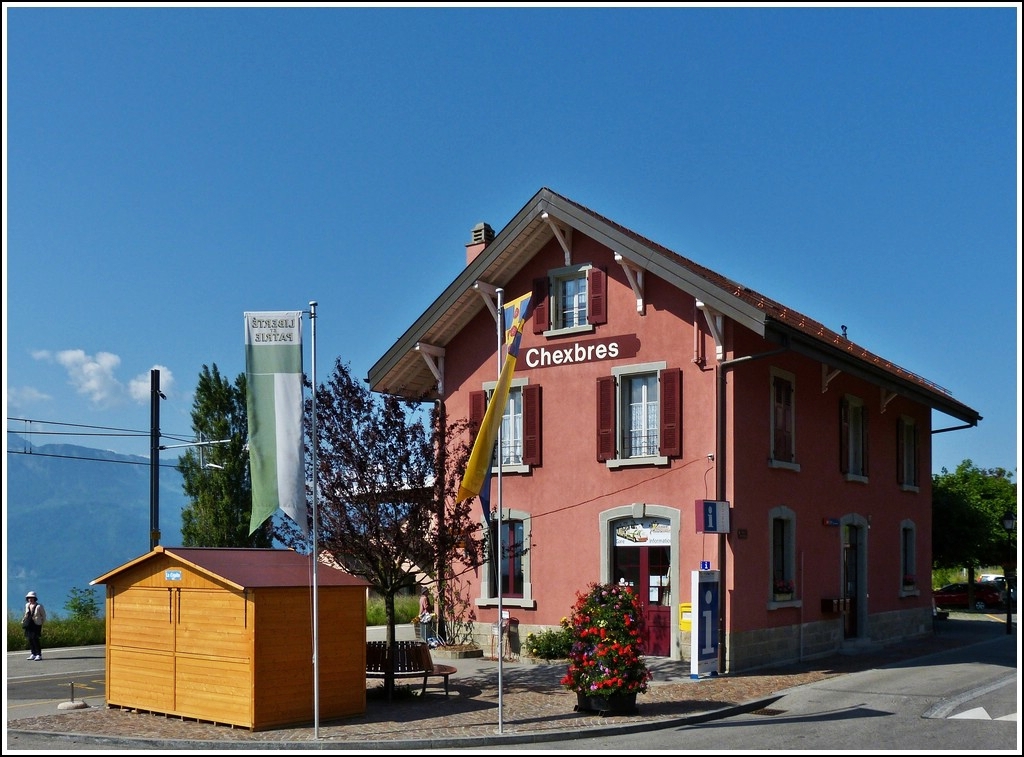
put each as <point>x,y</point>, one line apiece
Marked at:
<point>663,420</point>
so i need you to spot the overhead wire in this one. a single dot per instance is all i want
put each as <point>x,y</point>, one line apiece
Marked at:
<point>94,431</point>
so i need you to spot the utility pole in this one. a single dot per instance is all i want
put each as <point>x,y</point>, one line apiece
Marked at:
<point>154,457</point>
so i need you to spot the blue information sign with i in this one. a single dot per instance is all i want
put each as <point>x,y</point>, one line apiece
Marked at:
<point>704,588</point>
<point>712,516</point>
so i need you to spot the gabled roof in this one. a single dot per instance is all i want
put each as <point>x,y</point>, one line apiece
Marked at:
<point>403,371</point>
<point>248,568</point>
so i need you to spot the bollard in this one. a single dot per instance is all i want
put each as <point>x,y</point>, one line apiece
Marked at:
<point>72,705</point>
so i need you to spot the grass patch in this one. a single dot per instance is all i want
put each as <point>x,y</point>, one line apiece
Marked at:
<point>83,632</point>
<point>59,632</point>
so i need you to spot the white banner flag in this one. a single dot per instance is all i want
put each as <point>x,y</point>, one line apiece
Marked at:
<point>273,376</point>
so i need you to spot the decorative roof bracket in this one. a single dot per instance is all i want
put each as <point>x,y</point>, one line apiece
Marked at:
<point>558,235</point>
<point>827,375</point>
<point>635,276</point>
<point>487,292</point>
<point>433,356</point>
<point>887,397</point>
<point>716,325</point>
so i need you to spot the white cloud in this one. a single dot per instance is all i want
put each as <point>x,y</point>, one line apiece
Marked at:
<point>140,386</point>
<point>20,398</point>
<point>93,376</point>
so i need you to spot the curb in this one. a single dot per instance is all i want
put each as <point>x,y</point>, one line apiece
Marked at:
<point>451,742</point>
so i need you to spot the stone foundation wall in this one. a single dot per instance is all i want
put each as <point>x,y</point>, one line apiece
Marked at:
<point>749,650</point>
<point>886,627</point>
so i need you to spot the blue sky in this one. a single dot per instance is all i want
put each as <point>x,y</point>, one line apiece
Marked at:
<point>168,169</point>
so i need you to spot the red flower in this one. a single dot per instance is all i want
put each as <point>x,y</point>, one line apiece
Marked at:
<point>606,655</point>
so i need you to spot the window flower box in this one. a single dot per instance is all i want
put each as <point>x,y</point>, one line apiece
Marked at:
<point>782,590</point>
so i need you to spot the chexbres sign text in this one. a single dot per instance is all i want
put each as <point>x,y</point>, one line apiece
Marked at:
<point>587,351</point>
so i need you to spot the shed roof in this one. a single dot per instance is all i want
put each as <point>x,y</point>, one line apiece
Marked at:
<point>403,371</point>
<point>248,568</point>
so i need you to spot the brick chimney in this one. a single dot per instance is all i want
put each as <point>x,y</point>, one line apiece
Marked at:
<point>483,235</point>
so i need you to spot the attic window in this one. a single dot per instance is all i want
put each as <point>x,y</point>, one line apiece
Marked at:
<point>571,299</point>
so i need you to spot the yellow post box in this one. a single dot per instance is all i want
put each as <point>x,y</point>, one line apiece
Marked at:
<point>685,616</point>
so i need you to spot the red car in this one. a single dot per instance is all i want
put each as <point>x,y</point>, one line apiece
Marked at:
<point>986,595</point>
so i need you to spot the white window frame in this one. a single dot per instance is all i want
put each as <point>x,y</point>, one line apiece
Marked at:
<point>787,515</point>
<point>557,307</point>
<point>908,557</point>
<point>623,375</point>
<point>526,601</point>
<point>515,399</point>
<point>910,442</point>
<point>773,462</point>
<point>856,449</point>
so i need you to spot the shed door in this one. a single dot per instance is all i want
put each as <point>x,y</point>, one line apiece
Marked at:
<point>213,660</point>
<point>140,650</point>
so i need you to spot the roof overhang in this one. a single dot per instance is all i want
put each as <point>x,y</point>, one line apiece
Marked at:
<point>405,369</point>
<point>843,356</point>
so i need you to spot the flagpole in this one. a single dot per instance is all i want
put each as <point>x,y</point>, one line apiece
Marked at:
<point>316,557</point>
<point>500,561</point>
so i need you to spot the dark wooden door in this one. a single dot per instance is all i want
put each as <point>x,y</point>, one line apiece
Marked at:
<point>851,584</point>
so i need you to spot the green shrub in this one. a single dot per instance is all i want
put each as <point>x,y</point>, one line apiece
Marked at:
<point>549,644</point>
<point>59,632</point>
<point>406,608</point>
<point>83,604</point>
<point>943,576</point>
<point>83,628</point>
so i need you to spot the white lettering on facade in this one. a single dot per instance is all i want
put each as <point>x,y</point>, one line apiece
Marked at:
<point>540,357</point>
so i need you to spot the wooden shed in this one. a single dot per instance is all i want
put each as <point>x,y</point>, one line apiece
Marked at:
<point>226,636</point>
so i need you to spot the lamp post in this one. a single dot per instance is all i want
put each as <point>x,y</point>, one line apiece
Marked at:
<point>1009,523</point>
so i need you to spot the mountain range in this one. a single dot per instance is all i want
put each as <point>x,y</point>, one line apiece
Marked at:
<point>74,513</point>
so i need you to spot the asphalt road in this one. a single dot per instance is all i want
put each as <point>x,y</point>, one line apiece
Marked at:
<point>960,699</point>
<point>66,677</point>
<point>963,700</point>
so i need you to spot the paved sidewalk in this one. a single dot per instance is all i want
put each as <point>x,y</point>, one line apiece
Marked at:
<point>530,707</point>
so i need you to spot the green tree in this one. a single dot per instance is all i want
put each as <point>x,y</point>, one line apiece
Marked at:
<point>82,604</point>
<point>967,520</point>
<point>387,484</point>
<point>216,472</point>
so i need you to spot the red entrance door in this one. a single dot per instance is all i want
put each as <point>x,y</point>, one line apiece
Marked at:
<point>647,570</point>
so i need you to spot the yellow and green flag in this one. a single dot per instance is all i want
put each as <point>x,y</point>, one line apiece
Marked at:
<point>514,316</point>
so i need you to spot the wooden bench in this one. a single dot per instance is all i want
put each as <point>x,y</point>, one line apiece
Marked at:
<point>411,660</point>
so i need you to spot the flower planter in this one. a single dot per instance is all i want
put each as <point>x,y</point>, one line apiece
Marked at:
<point>606,657</point>
<point>784,597</point>
<point>613,704</point>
